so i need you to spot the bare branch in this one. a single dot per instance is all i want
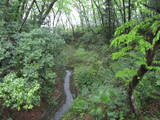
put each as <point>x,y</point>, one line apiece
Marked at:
<point>37,6</point>
<point>47,12</point>
<point>26,16</point>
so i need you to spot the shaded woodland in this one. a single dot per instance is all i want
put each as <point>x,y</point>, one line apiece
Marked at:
<point>112,46</point>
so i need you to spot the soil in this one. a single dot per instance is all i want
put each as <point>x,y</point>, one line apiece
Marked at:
<point>88,117</point>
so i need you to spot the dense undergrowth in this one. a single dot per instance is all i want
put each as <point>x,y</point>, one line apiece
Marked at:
<point>102,79</point>
<point>113,50</point>
<point>27,69</point>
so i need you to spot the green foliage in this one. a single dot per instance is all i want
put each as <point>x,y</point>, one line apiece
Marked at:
<point>105,81</point>
<point>28,58</point>
<point>120,30</point>
<point>87,77</point>
<point>75,57</point>
<point>18,94</point>
<point>126,74</point>
<point>148,88</point>
<point>80,105</point>
<point>97,104</point>
<point>33,60</point>
<point>96,84</point>
<point>38,53</point>
<point>92,39</point>
<point>135,44</point>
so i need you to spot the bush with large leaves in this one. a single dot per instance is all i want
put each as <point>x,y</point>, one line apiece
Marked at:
<point>17,93</point>
<point>33,59</point>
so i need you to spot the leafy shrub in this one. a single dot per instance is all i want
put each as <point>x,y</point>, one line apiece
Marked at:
<point>81,55</point>
<point>99,104</point>
<point>38,52</point>
<point>90,40</point>
<point>17,93</point>
<point>32,63</point>
<point>75,57</point>
<point>148,89</point>
<point>86,77</point>
<point>80,105</point>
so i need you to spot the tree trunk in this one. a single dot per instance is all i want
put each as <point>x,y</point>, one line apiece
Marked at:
<point>85,14</point>
<point>139,76</point>
<point>120,10</point>
<point>94,13</point>
<point>129,10</point>
<point>43,17</point>
<point>100,12</point>
<point>110,19</point>
<point>124,11</point>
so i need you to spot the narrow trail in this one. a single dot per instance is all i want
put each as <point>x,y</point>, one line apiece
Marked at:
<point>69,98</point>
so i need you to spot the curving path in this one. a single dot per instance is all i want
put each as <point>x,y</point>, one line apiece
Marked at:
<point>69,98</point>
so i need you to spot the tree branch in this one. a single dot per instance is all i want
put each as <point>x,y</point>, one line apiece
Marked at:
<point>46,13</point>
<point>152,8</point>
<point>26,16</point>
<point>37,6</point>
